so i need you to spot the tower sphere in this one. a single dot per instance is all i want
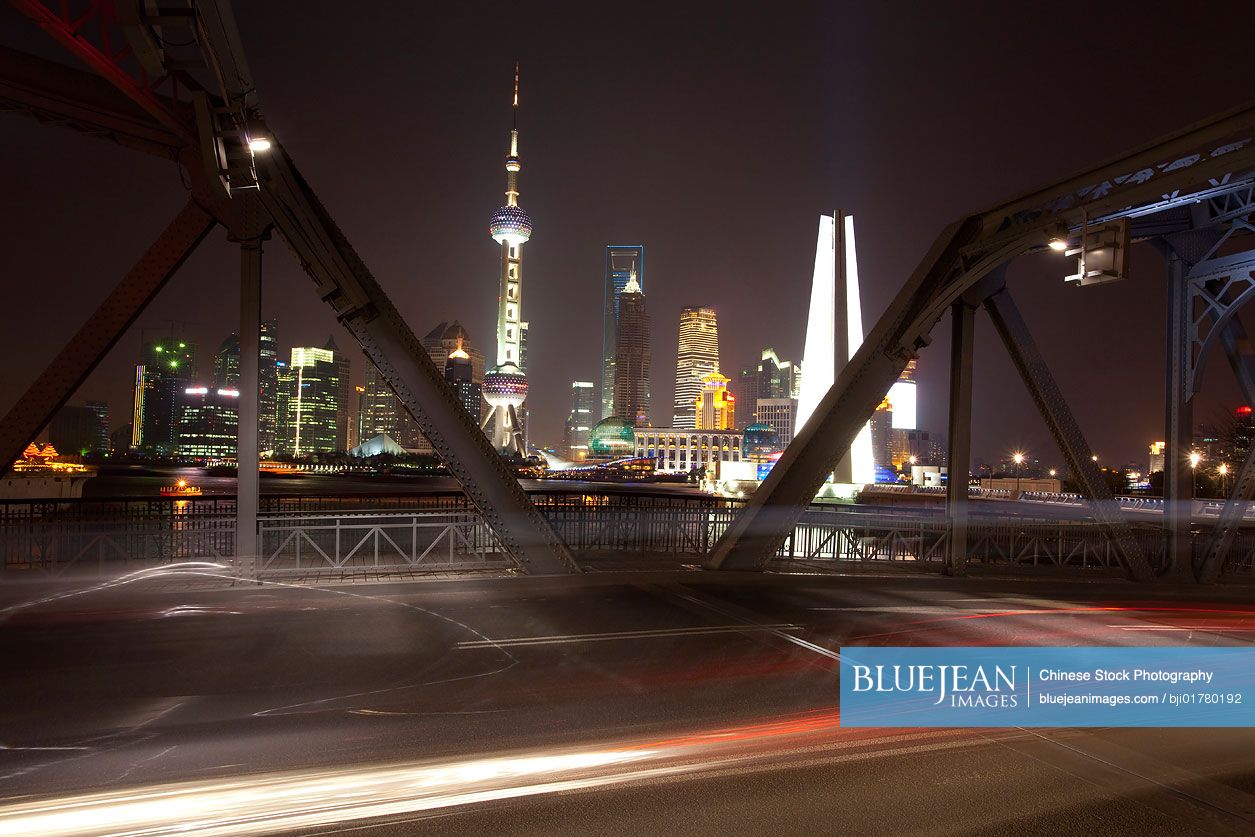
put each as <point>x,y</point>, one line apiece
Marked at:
<point>510,224</point>
<point>505,386</point>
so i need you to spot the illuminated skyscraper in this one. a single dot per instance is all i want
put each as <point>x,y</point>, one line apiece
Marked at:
<point>698,356</point>
<point>771,377</point>
<point>578,422</point>
<point>382,413</point>
<point>344,394</point>
<point>311,396</point>
<point>459,374</point>
<point>167,365</point>
<point>505,387</point>
<point>780,414</point>
<point>632,356</point>
<point>715,407</point>
<point>622,262</point>
<point>227,375</point>
<point>903,398</point>
<point>882,434</point>
<point>209,421</point>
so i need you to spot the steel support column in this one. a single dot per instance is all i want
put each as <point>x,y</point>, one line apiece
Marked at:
<point>248,483</point>
<point>1178,478</point>
<point>103,329</point>
<point>1063,426</point>
<point>962,321</point>
<point>1211,564</point>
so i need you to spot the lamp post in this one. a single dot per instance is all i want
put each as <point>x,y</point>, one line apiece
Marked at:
<point>1018,458</point>
<point>1195,458</point>
<point>1223,470</point>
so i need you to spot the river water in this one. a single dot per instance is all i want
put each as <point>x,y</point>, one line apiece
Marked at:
<point>146,481</point>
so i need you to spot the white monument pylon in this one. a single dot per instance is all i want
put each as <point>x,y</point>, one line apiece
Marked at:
<point>834,332</point>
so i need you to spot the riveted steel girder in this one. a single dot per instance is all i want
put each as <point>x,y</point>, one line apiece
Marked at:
<point>1210,158</point>
<point>1054,410</point>
<point>102,330</point>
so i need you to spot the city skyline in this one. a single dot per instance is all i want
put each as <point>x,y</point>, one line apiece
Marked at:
<point>426,255</point>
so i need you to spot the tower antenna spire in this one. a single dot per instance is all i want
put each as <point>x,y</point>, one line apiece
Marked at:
<point>514,130</point>
<point>516,95</point>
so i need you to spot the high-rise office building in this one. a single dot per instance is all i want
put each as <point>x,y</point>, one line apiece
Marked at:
<point>924,447</point>
<point>283,406</point>
<point>209,420</point>
<point>1156,457</point>
<point>882,434</point>
<point>227,362</point>
<point>505,387</point>
<point>770,377</point>
<point>715,407</point>
<point>902,395</point>
<point>440,343</point>
<point>267,370</point>
<point>167,365</point>
<point>622,262</point>
<point>632,357</point>
<point>780,414</point>
<point>382,414</point>
<point>446,337</point>
<point>311,397</point>
<point>227,375</point>
<point>697,357</point>
<point>579,421</point>
<point>81,429</point>
<point>344,394</point>
<point>459,374</point>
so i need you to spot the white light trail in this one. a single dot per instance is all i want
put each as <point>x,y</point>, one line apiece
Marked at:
<point>293,801</point>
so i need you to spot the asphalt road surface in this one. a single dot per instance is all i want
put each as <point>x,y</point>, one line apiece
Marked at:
<point>687,703</point>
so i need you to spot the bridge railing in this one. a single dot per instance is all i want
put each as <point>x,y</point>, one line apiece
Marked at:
<point>360,541</point>
<point>441,532</point>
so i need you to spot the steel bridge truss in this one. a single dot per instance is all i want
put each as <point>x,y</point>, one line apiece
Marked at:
<point>172,81</point>
<point>194,103</point>
<point>1194,186</point>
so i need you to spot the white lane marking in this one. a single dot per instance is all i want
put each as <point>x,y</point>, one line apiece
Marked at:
<point>809,646</point>
<point>798,641</point>
<point>616,635</point>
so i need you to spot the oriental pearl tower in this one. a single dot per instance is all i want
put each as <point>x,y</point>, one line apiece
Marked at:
<point>505,386</point>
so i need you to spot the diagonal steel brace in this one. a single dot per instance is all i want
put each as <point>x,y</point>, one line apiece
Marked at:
<point>103,329</point>
<point>1063,426</point>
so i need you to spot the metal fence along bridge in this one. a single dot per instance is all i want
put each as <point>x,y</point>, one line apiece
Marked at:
<point>308,537</point>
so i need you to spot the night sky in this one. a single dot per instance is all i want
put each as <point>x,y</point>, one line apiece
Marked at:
<point>714,134</point>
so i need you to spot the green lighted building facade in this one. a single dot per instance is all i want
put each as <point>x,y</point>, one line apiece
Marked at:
<point>166,367</point>
<point>309,396</point>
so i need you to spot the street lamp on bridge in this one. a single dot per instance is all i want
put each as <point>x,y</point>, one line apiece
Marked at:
<point>1018,459</point>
